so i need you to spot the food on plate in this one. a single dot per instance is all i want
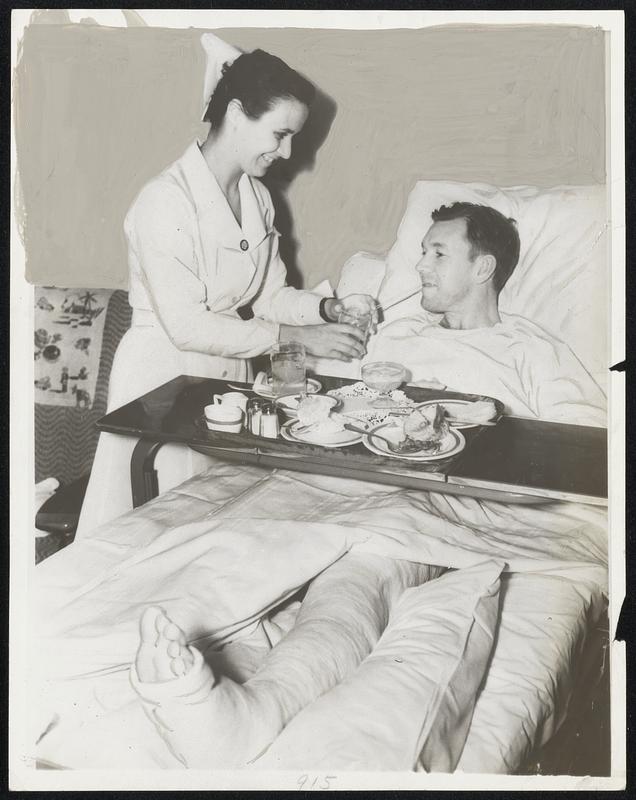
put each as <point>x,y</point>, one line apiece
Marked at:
<point>315,411</point>
<point>479,411</point>
<point>314,408</point>
<point>289,403</point>
<point>424,429</point>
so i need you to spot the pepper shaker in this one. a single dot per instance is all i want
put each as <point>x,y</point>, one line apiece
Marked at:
<point>269,421</point>
<point>253,416</point>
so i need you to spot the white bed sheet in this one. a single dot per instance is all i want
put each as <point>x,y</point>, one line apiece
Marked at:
<point>232,544</point>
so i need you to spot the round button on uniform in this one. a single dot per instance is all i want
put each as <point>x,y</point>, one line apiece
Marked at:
<point>244,244</point>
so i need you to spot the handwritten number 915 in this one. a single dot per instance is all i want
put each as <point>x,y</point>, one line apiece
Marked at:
<point>308,783</point>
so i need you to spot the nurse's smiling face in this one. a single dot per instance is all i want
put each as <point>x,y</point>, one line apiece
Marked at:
<point>446,268</point>
<point>260,142</point>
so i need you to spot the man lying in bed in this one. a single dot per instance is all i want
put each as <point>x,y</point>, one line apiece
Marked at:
<point>467,255</point>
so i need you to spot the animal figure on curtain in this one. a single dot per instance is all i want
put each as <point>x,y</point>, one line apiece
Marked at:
<point>82,397</point>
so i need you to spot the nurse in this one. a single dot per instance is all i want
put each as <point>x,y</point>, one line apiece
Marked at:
<point>202,245</point>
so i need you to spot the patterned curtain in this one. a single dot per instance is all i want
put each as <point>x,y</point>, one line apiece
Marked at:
<point>65,433</point>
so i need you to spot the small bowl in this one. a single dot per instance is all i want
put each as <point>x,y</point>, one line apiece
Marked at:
<point>219,417</point>
<point>288,403</point>
<point>383,372</point>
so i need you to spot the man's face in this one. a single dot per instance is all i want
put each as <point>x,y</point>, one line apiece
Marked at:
<point>445,268</point>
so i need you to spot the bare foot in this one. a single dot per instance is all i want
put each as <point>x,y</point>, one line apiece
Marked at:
<point>163,653</point>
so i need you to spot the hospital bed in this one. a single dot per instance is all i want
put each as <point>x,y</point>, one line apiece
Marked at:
<point>511,625</point>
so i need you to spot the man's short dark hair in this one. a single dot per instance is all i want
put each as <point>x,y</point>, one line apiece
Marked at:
<point>489,233</point>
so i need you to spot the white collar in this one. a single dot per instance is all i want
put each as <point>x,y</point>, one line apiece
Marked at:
<point>212,203</point>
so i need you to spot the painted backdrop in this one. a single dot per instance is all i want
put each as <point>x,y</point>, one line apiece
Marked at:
<point>99,111</point>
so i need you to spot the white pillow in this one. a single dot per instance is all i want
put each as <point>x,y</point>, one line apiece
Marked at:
<point>409,704</point>
<point>363,273</point>
<point>562,276</point>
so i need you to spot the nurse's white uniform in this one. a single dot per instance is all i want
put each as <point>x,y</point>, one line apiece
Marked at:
<point>192,266</point>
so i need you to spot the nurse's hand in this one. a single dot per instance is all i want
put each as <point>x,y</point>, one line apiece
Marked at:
<point>358,306</point>
<point>330,340</point>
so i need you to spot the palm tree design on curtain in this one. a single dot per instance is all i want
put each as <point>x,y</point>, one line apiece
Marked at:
<point>88,298</point>
<point>83,307</point>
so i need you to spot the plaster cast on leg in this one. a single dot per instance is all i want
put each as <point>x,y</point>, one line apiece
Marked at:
<point>342,616</point>
<point>205,722</point>
<point>221,724</point>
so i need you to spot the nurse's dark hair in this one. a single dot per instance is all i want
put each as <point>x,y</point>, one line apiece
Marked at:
<point>489,233</point>
<point>257,79</point>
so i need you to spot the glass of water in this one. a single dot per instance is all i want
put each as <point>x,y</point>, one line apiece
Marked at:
<point>289,375</point>
<point>359,319</point>
<point>357,313</point>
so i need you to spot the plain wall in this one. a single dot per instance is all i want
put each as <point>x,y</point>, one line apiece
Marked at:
<point>99,111</point>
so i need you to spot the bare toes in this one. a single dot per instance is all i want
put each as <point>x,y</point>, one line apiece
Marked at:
<point>172,631</point>
<point>161,622</point>
<point>178,667</point>
<point>148,625</point>
<point>187,657</point>
<point>149,642</point>
<point>174,649</point>
<point>163,652</point>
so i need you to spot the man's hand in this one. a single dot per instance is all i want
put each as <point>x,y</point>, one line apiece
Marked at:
<point>340,341</point>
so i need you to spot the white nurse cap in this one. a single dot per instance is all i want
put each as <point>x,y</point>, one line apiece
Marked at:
<point>217,53</point>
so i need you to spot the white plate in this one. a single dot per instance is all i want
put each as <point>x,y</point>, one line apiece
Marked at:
<point>340,439</point>
<point>288,404</point>
<point>453,443</point>
<point>265,390</point>
<point>454,408</point>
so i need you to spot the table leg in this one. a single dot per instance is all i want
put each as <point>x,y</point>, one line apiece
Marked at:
<point>143,475</point>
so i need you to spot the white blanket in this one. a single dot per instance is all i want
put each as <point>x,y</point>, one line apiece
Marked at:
<point>247,540</point>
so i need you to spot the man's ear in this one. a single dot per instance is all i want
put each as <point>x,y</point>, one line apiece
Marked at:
<point>485,266</point>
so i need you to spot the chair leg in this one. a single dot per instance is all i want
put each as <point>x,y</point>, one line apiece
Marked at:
<point>60,513</point>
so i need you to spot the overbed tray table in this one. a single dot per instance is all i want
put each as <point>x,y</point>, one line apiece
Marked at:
<point>518,460</point>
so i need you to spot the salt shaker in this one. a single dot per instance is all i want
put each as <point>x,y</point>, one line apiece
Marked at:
<point>253,416</point>
<point>269,421</point>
